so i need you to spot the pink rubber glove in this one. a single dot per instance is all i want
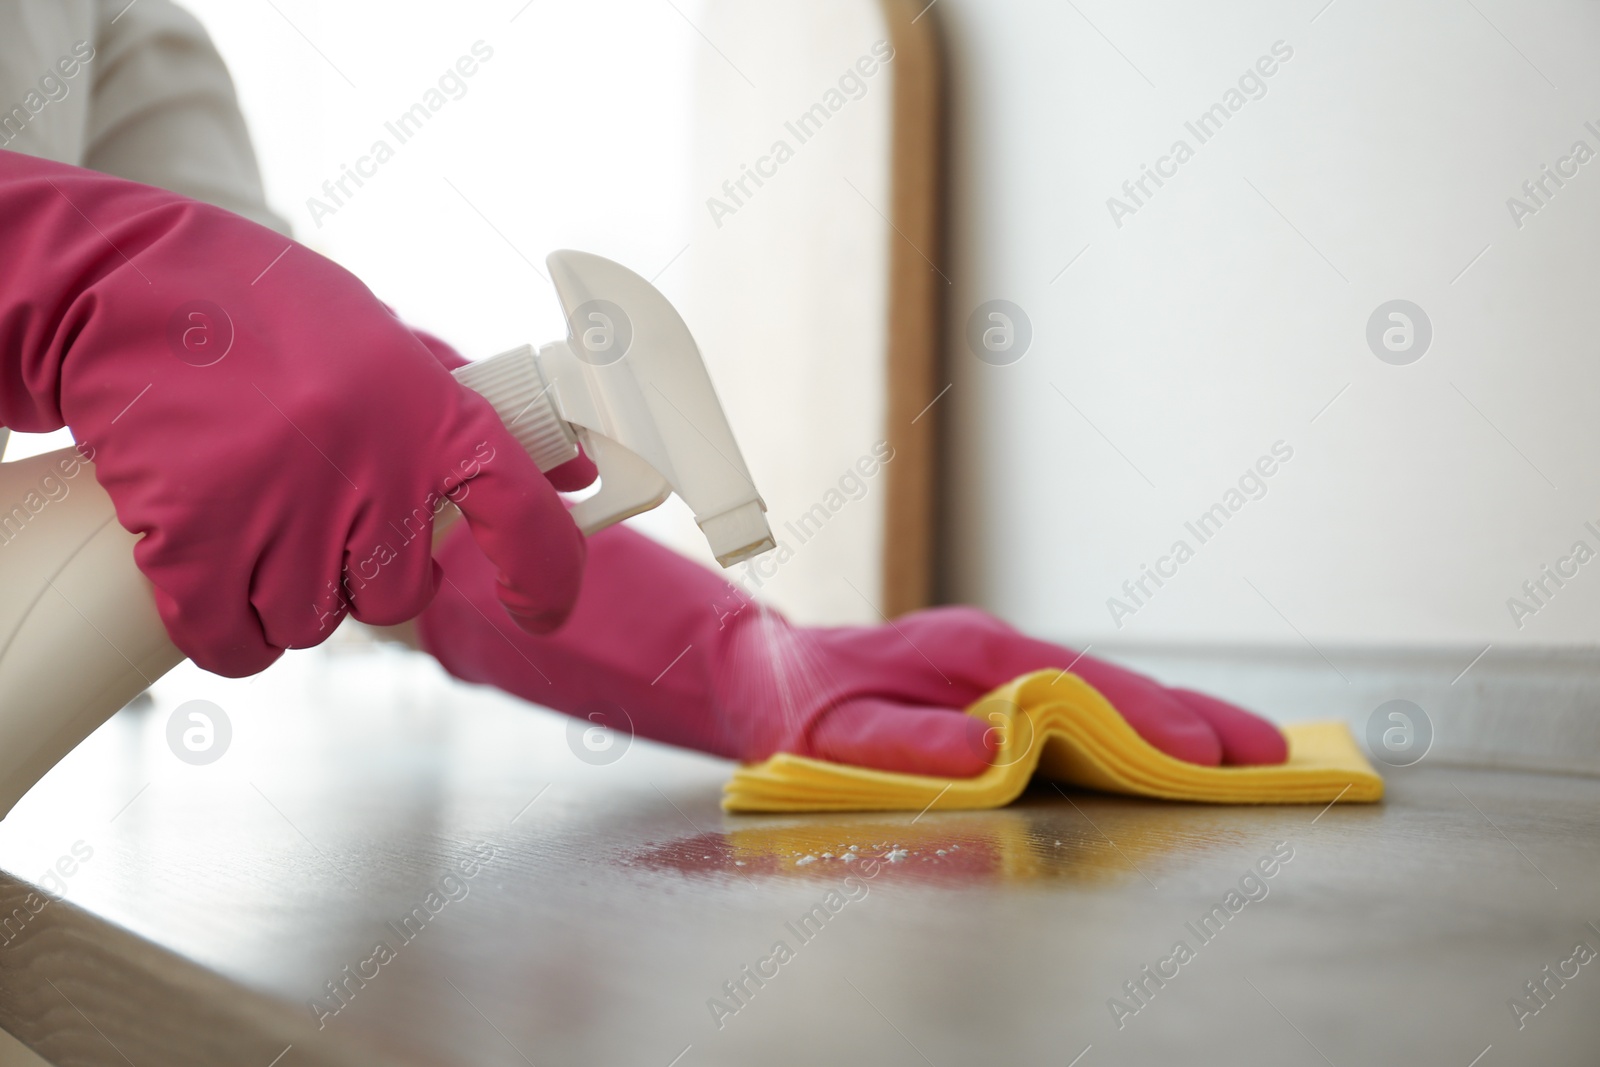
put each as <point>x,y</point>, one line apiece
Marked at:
<point>279,439</point>
<point>667,649</point>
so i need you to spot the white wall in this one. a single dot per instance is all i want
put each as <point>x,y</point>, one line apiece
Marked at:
<point>575,132</point>
<point>1213,323</point>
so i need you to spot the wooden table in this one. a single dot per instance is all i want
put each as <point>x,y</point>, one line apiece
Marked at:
<point>608,905</point>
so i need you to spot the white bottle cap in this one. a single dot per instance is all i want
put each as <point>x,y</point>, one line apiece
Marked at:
<point>521,397</point>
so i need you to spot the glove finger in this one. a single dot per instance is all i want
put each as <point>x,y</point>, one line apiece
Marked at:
<point>203,601</point>
<point>881,734</point>
<point>1246,737</point>
<point>296,589</point>
<point>1154,713</point>
<point>235,645</point>
<point>977,652</point>
<point>576,473</point>
<point>372,559</point>
<point>521,525</point>
<point>390,576</point>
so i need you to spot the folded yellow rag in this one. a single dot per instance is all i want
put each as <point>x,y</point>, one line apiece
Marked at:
<point>1060,727</point>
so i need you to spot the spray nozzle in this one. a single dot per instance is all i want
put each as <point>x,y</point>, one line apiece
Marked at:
<point>628,384</point>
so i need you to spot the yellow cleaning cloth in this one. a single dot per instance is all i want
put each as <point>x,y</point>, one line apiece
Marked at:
<point>1060,727</point>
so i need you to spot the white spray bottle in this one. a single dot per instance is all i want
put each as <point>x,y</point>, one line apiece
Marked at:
<point>79,632</point>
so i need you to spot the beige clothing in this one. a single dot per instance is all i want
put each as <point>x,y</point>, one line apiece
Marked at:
<point>136,91</point>
<point>151,102</point>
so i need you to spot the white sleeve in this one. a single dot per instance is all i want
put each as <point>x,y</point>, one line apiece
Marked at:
<point>163,110</point>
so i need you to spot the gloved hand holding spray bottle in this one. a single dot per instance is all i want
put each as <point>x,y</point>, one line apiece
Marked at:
<point>83,631</point>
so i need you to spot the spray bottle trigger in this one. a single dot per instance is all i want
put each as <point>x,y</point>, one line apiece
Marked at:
<point>628,485</point>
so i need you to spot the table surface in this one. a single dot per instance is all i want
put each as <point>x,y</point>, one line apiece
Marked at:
<point>610,906</point>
